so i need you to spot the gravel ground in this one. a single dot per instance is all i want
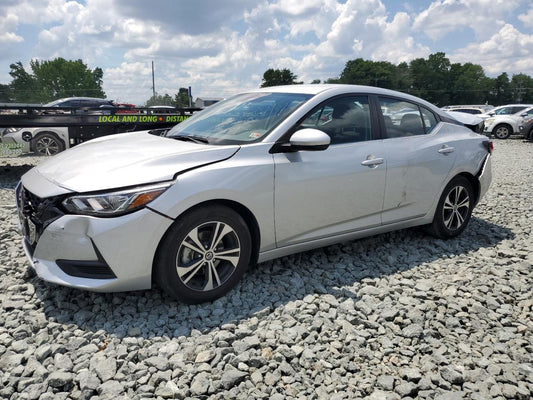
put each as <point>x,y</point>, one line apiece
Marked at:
<point>395,316</point>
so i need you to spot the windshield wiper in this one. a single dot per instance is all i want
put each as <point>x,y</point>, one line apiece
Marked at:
<point>191,138</point>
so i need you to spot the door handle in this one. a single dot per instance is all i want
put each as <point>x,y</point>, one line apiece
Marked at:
<point>372,161</point>
<point>445,149</point>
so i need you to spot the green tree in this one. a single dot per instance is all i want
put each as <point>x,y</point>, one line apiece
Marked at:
<point>431,78</point>
<point>402,78</point>
<point>24,85</point>
<point>277,77</point>
<point>500,90</point>
<point>522,88</point>
<point>371,73</point>
<point>50,80</point>
<point>181,99</point>
<point>468,84</point>
<point>160,100</point>
<point>6,93</point>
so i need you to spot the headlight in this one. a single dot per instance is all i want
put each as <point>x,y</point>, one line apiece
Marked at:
<point>489,121</point>
<point>113,203</point>
<point>12,130</point>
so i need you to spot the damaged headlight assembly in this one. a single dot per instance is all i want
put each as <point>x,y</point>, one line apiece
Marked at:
<point>114,203</point>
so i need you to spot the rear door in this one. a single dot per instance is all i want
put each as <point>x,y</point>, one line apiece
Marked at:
<point>418,159</point>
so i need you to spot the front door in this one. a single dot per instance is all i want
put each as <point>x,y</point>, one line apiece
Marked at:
<point>319,194</point>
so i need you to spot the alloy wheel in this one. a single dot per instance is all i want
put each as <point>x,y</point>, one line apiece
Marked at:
<point>208,256</point>
<point>47,146</point>
<point>456,208</point>
<point>502,132</point>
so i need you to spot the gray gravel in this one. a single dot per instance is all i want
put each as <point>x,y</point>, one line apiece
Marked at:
<point>395,316</point>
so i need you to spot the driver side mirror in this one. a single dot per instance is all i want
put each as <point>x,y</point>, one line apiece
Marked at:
<point>307,139</point>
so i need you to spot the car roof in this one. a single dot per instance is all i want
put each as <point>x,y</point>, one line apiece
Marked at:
<point>339,89</point>
<point>514,105</point>
<point>95,99</point>
<point>319,88</point>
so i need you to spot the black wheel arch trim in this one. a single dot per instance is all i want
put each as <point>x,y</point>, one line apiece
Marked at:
<point>243,211</point>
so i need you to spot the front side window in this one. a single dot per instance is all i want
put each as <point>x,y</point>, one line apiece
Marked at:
<point>344,119</point>
<point>403,118</point>
<point>241,119</point>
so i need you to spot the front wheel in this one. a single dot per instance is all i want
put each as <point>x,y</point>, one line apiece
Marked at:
<point>203,255</point>
<point>47,144</point>
<point>502,131</point>
<point>454,209</point>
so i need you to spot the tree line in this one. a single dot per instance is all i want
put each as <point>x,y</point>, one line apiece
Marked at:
<point>434,79</point>
<point>51,80</point>
<point>54,79</point>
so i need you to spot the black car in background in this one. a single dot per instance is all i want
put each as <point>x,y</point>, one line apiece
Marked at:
<point>82,104</point>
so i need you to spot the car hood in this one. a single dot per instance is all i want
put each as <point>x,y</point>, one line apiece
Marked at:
<point>464,118</point>
<point>120,161</point>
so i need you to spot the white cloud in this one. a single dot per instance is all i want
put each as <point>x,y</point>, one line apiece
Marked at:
<point>10,37</point>
<point>508,50</point>
<point>128,82</point>
<point>483,16</point>
<point>222,47</point>
<point>527,18</point>
<point>190,17</point>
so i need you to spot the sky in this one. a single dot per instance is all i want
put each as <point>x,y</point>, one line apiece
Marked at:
<point>223,47</point>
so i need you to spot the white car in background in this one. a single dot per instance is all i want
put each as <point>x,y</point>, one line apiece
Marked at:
<point>44,141</point>
<point>506,120</point>
<point>470,109</point>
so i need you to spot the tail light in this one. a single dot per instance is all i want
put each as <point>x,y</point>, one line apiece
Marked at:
<point>489,145</point>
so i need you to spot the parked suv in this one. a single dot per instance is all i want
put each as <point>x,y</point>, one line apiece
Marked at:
<point>504,121</point>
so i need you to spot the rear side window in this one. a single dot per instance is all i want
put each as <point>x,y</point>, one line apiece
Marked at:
<point>403,118</point>
<point>344,119</point>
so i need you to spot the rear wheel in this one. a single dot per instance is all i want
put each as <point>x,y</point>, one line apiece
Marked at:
<point>47,144</point>
<point>203,255</point>
<point>454,209</point>
<point>502,131</point>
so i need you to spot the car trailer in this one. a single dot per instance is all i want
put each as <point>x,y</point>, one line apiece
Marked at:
<point>49,130</point>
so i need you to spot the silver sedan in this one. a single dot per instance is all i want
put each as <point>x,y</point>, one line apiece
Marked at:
<point>261,175</point>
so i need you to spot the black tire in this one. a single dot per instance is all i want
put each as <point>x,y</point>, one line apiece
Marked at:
<point>203,255</point>
<point>454,209</point>
<point>502,131</point>
<point>47,144</point>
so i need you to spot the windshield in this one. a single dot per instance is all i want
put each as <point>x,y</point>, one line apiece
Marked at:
<point>244,118</point>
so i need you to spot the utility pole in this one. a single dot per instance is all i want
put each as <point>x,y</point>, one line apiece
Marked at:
<point>153,79</point>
